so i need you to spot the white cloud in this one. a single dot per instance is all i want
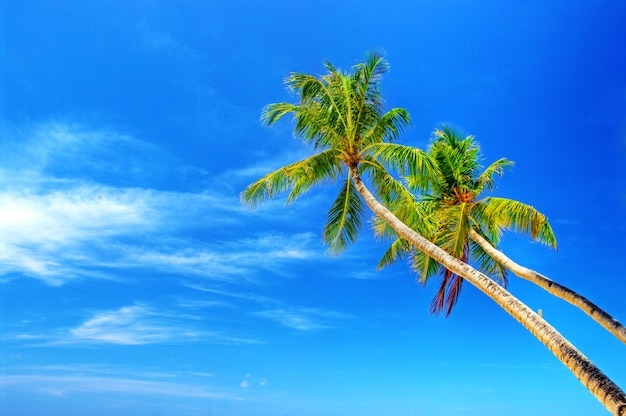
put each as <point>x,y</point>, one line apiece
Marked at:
<point>248,381</point>
<point>140,324</point>
<point>73,233</point>
<point>75,214</point>
<point>52,153</point>
<point>63,384</point>
<point>251,297</point>
<point>294,317</point>
<point>302,319</point>
<point>132,325</point>
<point>57,223</point>
<point>49,236</point>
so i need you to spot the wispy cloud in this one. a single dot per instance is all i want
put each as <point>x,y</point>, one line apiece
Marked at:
<point>42,234</point>
<point>57,152</point>
<point>160,41</point>
<point>63,381</point>
<point>294,317</point>
<point>133,325</point>
<point>245,296</point>
<point>54,236</point>
<point>302,319</point>
<point>58,222</point>
<point>221,260</point>
<point>249,381</point>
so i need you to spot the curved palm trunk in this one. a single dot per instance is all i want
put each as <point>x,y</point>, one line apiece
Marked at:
<point>595,312</point>
<point>607,392</point>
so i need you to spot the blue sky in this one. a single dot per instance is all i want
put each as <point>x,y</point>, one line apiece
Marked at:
<point>134,283</point>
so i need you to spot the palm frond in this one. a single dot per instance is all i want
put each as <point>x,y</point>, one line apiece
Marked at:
<point>271,113</point>
<point>450,288</point>
<point>343,220</point>
<point>448,293</point>
<point>486,180</point>
<point>487,264</point>
<point>386,127</point>
<point>421,216</point>
<point>521,218</point>
<point>485,222</point>
<point>320,115</point>
<point>389,190</point>
<point>368,75</point>
<point>457,156</point>
<point>453,231</point>
<point>317,168</point>
<point>418,166</point>
<point>398,250</point>
<point>297,177</point>
<point>424,266</point>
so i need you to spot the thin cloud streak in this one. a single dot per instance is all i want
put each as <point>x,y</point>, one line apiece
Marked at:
<point>293,317</point>
<point>131,326</point>
<point>66,384</point>
<point>302,319</point>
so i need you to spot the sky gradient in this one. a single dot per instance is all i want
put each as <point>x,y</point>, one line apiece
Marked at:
<point>133,282</point>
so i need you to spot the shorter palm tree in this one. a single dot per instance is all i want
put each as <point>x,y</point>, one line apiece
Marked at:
<point>450,209</point>
<point>454,216</point>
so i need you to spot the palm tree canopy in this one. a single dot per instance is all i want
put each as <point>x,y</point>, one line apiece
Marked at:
<point>450,204</point>
<point>341,115</point>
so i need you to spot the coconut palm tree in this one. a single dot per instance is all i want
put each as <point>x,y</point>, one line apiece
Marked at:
<point>341,115</point>
<point>469,226</point>
<point>446,210</point>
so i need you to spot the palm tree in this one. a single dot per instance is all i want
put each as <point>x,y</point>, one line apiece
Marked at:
<point>469,227</point>
<point>341,115</point>
<point>446,211</point>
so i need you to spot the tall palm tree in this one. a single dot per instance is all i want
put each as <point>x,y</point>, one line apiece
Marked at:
<point>341,115</point>
<point>469,226</point>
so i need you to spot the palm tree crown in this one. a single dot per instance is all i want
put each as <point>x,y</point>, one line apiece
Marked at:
<point>450,208</point>
<point>341,114</point>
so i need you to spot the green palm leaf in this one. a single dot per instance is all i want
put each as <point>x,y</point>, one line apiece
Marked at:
<point>487,179</point>
<point>418,166</point>
<point>454,227</point>
<point>521,218</point>
<point>424,266</point>
<point>344,219</point>
<point>398,250</point>
<point>387,127</point>
<point>297,177</point>
<point>419,215</point>
<point>486,263</point>
<point>389,189</point>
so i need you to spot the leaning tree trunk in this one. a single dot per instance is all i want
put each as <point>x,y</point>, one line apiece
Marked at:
<point>607,392</point>
<point>594,311</point>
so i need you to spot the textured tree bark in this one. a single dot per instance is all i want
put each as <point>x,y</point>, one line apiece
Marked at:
<point>595,312</point>
<point>607,392</point>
